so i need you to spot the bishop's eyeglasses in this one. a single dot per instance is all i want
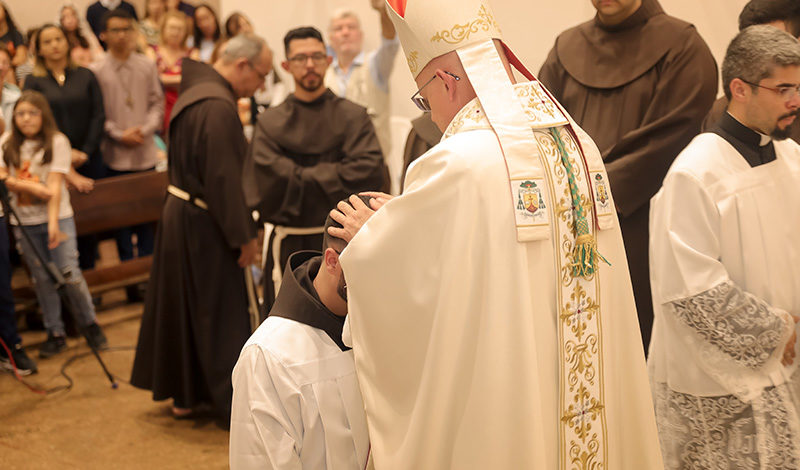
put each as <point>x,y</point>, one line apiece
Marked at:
<point>787,92</point>
<point>422,103</point>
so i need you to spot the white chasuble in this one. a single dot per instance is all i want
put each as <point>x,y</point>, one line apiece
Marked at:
<point>476,351</point>
<point>725,273</point>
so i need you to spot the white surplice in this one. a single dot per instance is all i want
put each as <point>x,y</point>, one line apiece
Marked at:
<point>476,351</point>
<point>296,402</point>
<point>725,270</point>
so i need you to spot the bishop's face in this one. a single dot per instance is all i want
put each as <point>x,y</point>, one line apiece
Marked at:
<point>613,12</point>
<point>774,107</point>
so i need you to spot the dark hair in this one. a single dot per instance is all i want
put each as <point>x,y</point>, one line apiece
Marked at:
<point>11,147</point>
<point>198,35</point>
<point>12,26</point>
<point>4,49</point>
<point>328,240</point>
<point>79,40</point>
<point>31,34</point>
<point>232,24</point>
<point>758,12</point>
<point>39,67</point>
<point>303,32</point>
<point>115,13</point>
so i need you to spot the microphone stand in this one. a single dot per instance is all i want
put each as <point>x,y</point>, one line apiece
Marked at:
<point>66,290</point>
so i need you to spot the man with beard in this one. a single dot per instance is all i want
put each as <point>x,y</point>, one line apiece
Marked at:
<point>307,154</point>
<point>781,14</point>
<point>640,83</point>
<point>296,401</point>
<point>196,314</point>
<point>724,260</point>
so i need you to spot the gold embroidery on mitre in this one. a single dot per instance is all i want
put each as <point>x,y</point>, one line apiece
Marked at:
<point>461,32</point>
<point>413,61</point>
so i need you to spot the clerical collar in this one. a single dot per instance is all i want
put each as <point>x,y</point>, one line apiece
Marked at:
<point>755,147</point>
<point>646,10</point>
<point>298,299</point>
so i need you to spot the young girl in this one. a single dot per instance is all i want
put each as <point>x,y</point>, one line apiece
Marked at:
<point>35,158</point>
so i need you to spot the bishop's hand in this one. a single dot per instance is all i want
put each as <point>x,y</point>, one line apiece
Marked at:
<point>351,216</point>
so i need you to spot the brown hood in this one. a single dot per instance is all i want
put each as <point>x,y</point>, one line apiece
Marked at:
<point>600,56</point>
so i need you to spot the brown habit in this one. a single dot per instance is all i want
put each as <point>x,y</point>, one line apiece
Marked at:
<point>640,89</point>
<point>306,157</point>
<point>195,318</point>
<point>721,105</point>
<point>423,136</point>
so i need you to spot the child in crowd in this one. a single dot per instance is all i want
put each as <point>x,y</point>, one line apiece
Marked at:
<point>35,159</point>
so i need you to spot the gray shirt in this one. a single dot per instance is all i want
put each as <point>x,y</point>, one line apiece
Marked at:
<point>132,96</point>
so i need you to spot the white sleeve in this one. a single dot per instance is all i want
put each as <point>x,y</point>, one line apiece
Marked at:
<point>266,416</point>
<point>383,62</point>
<point>62,154</point>
<point>3,140</point>
<point>734,335</point>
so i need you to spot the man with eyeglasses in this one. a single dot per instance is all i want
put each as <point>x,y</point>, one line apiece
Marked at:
<point>724,272</point>
<point>489,330</point>
<point>781,14</point>
<point>296,401</point>
<point>134,108</point>
<point>314,149</point>
<point>196,317</point>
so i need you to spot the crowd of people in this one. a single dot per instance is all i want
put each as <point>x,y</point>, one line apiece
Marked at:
<point>594,267</point>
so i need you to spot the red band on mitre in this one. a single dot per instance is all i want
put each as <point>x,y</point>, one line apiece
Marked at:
<point>399,7</point>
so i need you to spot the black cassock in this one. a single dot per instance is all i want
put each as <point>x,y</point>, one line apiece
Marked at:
<point>306,157</point>
<point>195,319</point>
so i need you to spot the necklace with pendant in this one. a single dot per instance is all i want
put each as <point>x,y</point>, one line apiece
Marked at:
<point>60,78</point>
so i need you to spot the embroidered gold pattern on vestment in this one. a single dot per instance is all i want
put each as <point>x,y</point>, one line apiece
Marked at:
<point>461,32</point>
<point>583,422</point>
<point>413,62</point>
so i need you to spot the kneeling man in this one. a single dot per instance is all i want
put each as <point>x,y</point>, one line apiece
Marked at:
<point>296,401</point>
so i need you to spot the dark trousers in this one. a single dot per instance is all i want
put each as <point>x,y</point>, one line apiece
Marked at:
<point>8,318</point>
<point>145,233</point>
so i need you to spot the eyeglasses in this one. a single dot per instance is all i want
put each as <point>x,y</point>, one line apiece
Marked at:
<point>120,30</point>
<point>318,58</point>
<point>422,103</point>
<point>787,92</point>
<point>31,113</point>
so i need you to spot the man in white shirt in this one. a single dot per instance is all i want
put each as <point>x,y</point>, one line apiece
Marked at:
<point>296,400</point>
<point>724,273</point>
<point>359,77</point>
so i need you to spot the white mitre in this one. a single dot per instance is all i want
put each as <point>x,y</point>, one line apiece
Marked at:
<point>428,29</point>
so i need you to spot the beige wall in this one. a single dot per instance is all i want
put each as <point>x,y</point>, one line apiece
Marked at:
<point>29,13</point>
<point>530,27</point>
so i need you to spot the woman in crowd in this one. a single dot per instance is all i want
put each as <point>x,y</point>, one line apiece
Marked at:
<point>9,94</point>
<point>150,26</point>
<point>76,101</point>
<point>207,34</point>
<point>181,6</point>
<point>84,46</point>
<point>35,159</point>
<point>26,68</point>
<point>12,37</point>
<point>237,23</point>
<point>168,56</point>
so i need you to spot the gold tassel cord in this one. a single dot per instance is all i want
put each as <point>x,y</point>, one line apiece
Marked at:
<point>584,255</point>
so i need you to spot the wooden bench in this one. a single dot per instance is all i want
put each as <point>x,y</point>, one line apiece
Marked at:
<point>114,203</point>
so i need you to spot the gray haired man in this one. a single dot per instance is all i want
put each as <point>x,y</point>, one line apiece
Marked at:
<point>196,317</point>
<point>723,267</point>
